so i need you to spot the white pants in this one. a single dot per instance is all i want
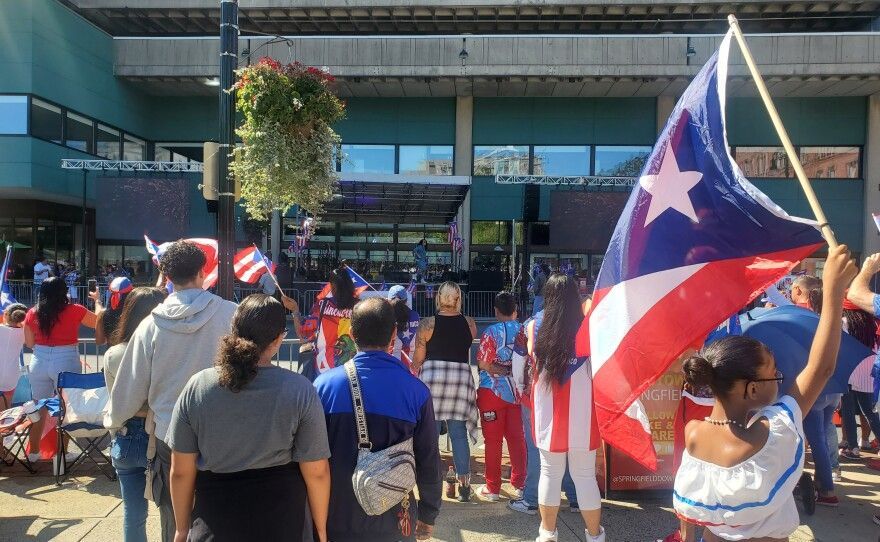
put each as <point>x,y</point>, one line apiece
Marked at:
<point>581,465</point>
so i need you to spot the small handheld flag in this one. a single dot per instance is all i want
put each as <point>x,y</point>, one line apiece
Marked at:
<point>6,297</point>
<point>249,264</point>
<point>360,285</point>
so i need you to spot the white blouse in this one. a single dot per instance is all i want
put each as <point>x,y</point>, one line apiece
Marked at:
<point>754,498</point>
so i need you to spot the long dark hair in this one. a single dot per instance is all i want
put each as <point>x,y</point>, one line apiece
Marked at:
<point>554,345</point>
<point>861,325</point>
<point>401,314</point>
<point>138,304</point>
<point>53,299</point>
<point>258,321</point>
<point>343,288</point>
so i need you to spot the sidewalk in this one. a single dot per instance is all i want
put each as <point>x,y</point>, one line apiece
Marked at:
<point>88,508</point>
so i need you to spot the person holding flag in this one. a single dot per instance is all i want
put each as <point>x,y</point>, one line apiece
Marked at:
<point>328,327</point>
<point>739,469</point>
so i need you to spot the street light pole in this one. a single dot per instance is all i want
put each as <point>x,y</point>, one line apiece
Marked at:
<point>226,196</point>
<point>83,274</point>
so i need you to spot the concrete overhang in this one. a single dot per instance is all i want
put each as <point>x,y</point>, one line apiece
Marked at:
<point>793,64</point>
<point>362,17</point>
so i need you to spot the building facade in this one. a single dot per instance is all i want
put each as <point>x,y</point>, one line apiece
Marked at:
<point>475,110</point>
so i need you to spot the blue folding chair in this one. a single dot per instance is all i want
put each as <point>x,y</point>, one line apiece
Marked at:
<point>92,437</point>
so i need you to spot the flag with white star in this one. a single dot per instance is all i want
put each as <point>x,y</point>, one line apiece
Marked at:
<point>695,243</point>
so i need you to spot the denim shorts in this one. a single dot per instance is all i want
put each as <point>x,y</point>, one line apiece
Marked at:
<point>45,365</point>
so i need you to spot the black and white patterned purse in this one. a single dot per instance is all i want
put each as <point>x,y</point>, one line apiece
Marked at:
<point>382,479</point>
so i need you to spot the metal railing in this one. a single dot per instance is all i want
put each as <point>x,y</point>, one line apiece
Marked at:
<point>92,355</point>
<point>478,304</point>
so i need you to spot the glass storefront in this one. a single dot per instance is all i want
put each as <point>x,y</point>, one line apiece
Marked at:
<point>13,115</point>
<point>425,160</point>
<point>562,160</point>
<point>501,160</point>
<point>620,160</point>
<point>763,162</point>
<point>367,158</point>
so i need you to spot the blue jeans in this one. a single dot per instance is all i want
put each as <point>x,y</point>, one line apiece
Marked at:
<point>461,445</point>
<point>833,442</point>
<point>533,469</point>
<point>856,402</point>
<point>129,455</point>
<point>815,427</point>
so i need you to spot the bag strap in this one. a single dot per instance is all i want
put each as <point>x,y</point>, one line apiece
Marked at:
<point>357,400</point>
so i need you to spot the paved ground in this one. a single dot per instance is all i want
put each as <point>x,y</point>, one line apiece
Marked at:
<point>88,508</point>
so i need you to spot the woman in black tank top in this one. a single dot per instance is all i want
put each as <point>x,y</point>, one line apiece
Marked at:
<point>443,357</point>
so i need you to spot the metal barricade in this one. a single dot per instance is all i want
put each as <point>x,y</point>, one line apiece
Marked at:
<point>91,355</point>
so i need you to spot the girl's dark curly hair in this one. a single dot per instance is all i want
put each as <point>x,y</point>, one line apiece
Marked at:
<point>258,321</point>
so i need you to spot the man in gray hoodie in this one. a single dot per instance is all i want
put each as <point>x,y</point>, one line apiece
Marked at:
<point>180,338</point>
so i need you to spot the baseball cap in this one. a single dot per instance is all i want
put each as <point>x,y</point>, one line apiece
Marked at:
<point>397,291</point>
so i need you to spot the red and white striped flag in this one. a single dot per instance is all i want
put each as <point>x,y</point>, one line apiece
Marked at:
<point>249,264</point>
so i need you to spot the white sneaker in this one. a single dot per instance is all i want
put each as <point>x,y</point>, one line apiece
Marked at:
<point>591,538</point>
<point>522,507</point>
<point>486,495</point>
<point>516,494</point>
<point>546,536</point>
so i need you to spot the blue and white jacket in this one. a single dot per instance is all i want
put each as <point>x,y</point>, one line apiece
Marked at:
<point>398,406</point>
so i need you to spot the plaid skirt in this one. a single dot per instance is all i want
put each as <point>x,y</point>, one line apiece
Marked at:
<point>453,392</point>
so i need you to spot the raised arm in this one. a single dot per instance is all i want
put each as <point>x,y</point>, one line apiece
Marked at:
<point>426,331</point>
<point>860,292</point>
<point>839,271</point>
<point>90,319</point>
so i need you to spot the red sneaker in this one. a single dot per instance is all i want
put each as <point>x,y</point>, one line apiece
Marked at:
<point>832,501</point>
<point>873,464</point>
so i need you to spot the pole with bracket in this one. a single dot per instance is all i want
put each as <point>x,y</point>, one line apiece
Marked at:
<point>83,273</point>
<point>783,135</point>
<point>226,192</point>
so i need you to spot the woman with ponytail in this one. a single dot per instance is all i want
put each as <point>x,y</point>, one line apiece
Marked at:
<point>742,462</point>
<point>249,440</point>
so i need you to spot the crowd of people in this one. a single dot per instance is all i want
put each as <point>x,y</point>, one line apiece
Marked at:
<point>199,412</point>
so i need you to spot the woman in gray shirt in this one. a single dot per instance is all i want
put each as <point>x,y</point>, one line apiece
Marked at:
<point>249,440</point>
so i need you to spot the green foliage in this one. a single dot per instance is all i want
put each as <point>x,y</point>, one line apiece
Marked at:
<point>287,156</point>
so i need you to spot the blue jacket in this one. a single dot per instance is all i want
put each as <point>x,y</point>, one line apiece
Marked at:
<point>398,406</point>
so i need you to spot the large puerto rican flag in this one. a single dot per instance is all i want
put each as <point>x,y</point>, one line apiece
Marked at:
<point>695,243</point>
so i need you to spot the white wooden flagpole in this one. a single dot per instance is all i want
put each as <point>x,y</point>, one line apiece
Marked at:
<point>783,135</point>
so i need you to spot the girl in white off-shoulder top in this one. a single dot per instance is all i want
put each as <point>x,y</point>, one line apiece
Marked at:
<point>741,463</point>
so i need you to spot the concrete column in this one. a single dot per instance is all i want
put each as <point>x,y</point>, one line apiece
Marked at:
<point>464,161</point>
<point>276,235</point>
<point>665,105</point>
<point>872,176</point>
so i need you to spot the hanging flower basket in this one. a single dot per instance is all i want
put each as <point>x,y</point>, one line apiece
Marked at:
<point>289,146</point>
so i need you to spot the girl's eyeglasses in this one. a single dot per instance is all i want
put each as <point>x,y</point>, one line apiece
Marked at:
<point>778,379</point>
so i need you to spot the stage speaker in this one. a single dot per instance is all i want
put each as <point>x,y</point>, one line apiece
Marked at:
<point>485,281</point>
<point>531,202</point>
<point>397,277</point>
